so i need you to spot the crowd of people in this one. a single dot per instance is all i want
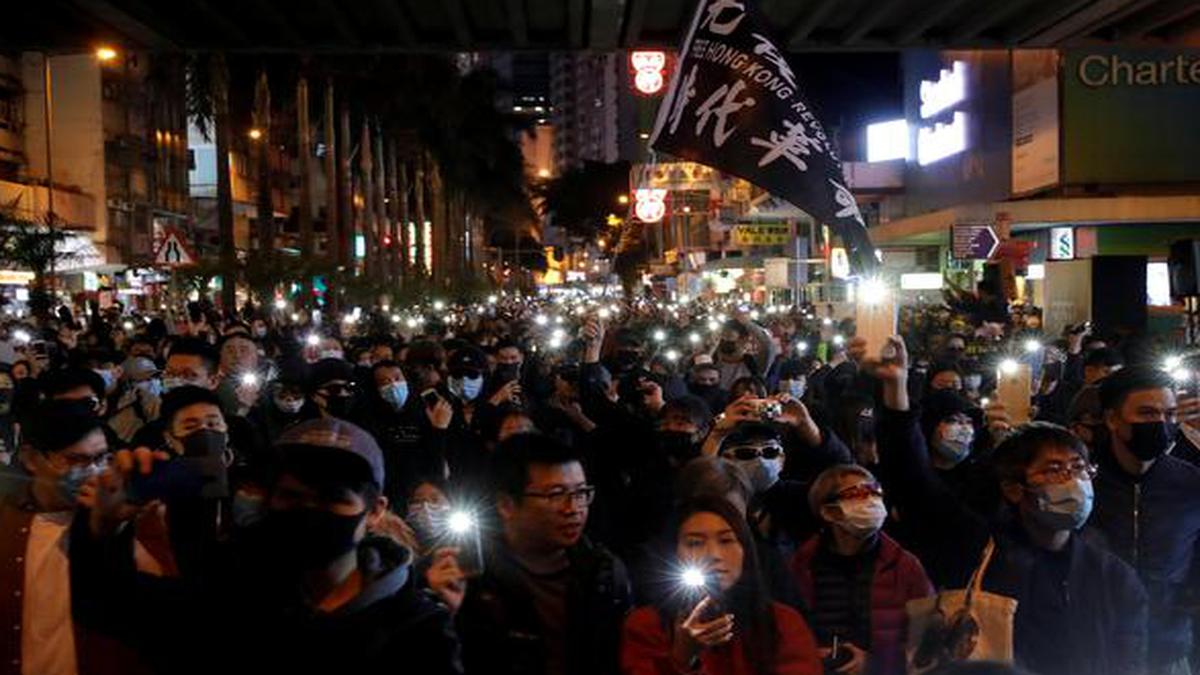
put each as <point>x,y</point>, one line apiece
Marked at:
<point>573,485</point>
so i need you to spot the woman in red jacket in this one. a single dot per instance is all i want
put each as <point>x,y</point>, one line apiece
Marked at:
<point>735,629</point>
<point>854,579</point>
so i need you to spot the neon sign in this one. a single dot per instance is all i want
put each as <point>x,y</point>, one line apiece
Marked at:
<point>648,70</point>
<point>650,206</point>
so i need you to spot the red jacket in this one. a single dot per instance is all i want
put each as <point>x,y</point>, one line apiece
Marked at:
<point>646,648</point>
<point>898,578</point>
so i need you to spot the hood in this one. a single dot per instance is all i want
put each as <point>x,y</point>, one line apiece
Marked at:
<point>385,566</point>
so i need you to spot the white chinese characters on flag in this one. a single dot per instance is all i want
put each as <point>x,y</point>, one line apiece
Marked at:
<point>734,104</point>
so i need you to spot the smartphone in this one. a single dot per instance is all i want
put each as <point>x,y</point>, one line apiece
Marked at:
<point>180,478</point>
<point>430,397</point>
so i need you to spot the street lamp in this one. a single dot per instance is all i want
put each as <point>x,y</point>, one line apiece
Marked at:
<point>255,134</point>
<point>105,53</point>
<point>622,199</point>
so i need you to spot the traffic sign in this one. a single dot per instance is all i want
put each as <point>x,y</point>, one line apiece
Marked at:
<point>173,250</point>
<point>973,242</point>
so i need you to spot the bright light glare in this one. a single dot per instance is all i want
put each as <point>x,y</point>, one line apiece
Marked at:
<point>1181,375</point>
<point>660,335</point>
<point>827,321</point>
<point>541,320</point>
<point>412,323</point>
<point>21,336</point>
<point>872,291</point>
<point>1009,366</point>
<point>802,347</point>
<point>106,53</point>
<point>838,340</point>
<point>692,577</point>
<point>128,325</point>
<point>672,355</point>
<point>312,340</point>
<point>460,522</point>
<point>887,141</point>
<point>604,313</point>
<point>280,303</point>
<point>438,305</point>
<point>249,379</point>
<point>1172,363</point>
<point>1032,345</point>
<point>694,338</point>
<point>492,299</point>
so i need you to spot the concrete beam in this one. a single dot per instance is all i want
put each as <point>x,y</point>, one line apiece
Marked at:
<point>868,19</point>
<point>517,25</point>
<point>136,28</point>
<point>809,21</point>
<point>458,21</point>
<point>915,30</point>
<point>1088,21</point>
<point>606,24</point>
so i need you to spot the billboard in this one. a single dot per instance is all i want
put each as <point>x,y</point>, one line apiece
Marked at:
<point>1035,127</point>
<point>1131,115</point>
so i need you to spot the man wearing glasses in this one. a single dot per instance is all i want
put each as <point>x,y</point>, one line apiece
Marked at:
<point>64,446</point>
<point>549,601</point>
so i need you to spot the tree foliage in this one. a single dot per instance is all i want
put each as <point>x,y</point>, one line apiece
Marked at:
<point>580,200</point>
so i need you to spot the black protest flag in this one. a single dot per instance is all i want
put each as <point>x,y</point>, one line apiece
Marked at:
<point>734,104</point>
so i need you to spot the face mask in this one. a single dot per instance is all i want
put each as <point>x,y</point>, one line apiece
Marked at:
<point>466,388</point>
<point>395,394</point>
<point>727,347</point>
<point>107,376</point>
<point>307,539</point>
<point>204,443</point>
<point>247,509</point>
<point>72,481</point>
<point>676,446</point>
<point>208,447</point>
<point>1151,440</point>
<point>862,518</point>
<point>331,354</point>
<point>796,388</point>
<point>152,387</point>
<point>169,383</point>
<point>288,406</point>
<point>339,406</point>
<point>425,518</point>
<point>508,371</point>
<point>763,473</point>
<point>260,331</point>
<point>1065,506</point>
<point>955,444</point>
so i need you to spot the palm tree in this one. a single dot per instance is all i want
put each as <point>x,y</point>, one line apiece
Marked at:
<point>34,246</point>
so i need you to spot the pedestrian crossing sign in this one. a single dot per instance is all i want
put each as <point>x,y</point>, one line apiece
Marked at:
<point>174,250</point>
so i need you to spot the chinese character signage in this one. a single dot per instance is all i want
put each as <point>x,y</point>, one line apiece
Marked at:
<point>763,234</point>
<point>734,104</point>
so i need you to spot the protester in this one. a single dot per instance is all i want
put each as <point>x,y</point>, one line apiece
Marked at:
<point>549,600</point>
<point>721,619</point>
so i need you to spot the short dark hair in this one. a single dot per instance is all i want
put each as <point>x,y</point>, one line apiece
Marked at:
<point>57,382</point>
<point>328,469</point>
<point>1106,356</point>
<point>386,363</point>
<point>735,326</point>
<point>692,407</point>
<point>1115,388</point>
<point>58,425</point>
<point>190,346</point>
<point>1017,452</point>
<point>181,397</point>
<point>239,335</point>
<point>512,459</point>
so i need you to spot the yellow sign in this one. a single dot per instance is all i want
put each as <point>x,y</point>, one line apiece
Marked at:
<point>761,234</point>
<point>15,277</point>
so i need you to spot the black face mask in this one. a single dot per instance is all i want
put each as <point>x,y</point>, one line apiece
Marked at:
<point>339,406</point>
<point>727,347</point>
<point>627,359</point>
<point>1151,440</point>
<point>306,539</point>
<point>676,446</point>
<point>507,372</point>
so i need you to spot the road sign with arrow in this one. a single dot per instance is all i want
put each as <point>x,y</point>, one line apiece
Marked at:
<point>174,250</point>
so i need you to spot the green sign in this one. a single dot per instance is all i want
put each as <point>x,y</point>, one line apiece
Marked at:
<point>1130,115</point>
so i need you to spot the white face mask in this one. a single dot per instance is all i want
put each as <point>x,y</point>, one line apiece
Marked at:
<point>331,354</point>
<point>862,518</point>
<point>289,406</point>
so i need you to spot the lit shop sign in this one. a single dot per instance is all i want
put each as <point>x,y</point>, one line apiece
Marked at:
<point>839,263</point>
<point>1062,243</point>
<point>648,70</point>
<point>1111,70</point>
<point>949,89</point>
<point>650,206</point>
<point>940,140</point>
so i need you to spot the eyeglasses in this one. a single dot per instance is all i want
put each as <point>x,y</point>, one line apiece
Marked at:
<point>466,373</point>
<point>581,496</point>
<point>860,491</point>
<point>1059,473</point>
<point>84,461</point>
<point>746,453</point>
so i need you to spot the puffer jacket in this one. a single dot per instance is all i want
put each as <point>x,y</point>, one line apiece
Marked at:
<point>1152,522</point>
<point>898,578</point>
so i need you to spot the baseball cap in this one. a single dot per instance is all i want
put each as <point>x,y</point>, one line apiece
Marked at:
<point>139,368</point>
<point>330,433</point>
<point>467,359</point>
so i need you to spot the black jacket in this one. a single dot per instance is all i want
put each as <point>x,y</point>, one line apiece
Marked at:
<point>502,634</point>
<point>1153,523</point>
<point>241,615</point>
<point>1080,611</point>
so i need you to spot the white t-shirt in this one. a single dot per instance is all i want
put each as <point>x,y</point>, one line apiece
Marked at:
<point>48,641</point>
